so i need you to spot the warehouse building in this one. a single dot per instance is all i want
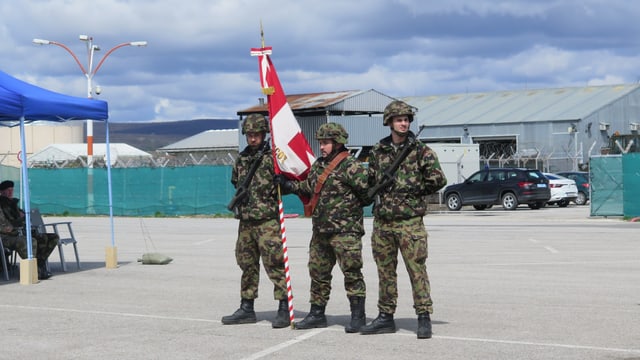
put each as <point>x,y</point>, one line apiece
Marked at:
<point>549,129</point>
<point>359,112</point>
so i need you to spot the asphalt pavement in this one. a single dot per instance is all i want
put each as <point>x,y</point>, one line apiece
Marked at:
<point>552,283</point>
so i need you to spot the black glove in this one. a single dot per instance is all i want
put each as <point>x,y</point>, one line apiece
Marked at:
<point>286,185</point>
<point>279,179</point>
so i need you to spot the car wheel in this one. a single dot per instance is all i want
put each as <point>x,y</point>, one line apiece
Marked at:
<point>563,203</point>
<point>509,201</point>
<point>454,203</point>
<point>479,207</point>
<point>581,199</point>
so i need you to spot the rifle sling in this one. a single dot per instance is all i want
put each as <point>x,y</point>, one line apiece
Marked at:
<point>308,208</point>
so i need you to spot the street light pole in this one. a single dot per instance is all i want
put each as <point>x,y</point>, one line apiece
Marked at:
<point>89,72</point>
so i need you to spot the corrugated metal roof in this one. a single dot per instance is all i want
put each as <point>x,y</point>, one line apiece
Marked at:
<point>349,102</point>
<point>210,139</point>
<point>516,106</point>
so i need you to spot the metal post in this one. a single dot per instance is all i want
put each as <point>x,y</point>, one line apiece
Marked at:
<point>89,72</point>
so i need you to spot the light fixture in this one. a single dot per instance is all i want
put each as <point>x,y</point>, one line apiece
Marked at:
<point>41,42</point>
<point>634,126</point>
<point>604,126</point>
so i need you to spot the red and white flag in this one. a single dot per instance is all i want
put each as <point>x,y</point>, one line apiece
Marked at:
<point>292,153</point>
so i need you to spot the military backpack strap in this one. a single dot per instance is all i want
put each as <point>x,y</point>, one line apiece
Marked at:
<point>308,208</point>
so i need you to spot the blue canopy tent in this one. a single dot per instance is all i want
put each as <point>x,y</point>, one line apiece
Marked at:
<point>21,102</point>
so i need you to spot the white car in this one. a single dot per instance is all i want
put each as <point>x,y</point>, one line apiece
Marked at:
<point>563,190</point>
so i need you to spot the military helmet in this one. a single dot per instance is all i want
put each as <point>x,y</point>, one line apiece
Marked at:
<point>397,108</point>
<point>255,123</point>
<point>332,131</point>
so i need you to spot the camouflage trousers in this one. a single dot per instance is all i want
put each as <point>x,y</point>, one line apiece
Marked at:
<point>324,251</point>
<point>260,240</point>
<point>410,237</point>
<point>42,245</point>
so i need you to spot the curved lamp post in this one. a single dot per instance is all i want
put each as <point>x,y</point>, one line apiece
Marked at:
<point>89,72</point>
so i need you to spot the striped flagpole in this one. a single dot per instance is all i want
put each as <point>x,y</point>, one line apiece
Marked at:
<point>286,257</point>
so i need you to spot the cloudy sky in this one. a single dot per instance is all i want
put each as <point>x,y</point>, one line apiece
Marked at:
<point>197,62</point>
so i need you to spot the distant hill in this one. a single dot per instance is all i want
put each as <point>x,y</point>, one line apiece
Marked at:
<point>149,136</point>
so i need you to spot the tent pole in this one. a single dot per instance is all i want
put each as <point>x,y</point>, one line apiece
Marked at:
<point>112,251</point>
<point>28,266</point>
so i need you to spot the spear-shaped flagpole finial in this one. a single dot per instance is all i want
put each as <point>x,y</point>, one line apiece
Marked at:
<point>261,34</point>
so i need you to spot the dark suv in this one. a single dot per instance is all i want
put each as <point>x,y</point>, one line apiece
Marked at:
<point>507,186</point>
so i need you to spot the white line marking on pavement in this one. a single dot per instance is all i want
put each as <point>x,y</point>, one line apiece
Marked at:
<point>315,332</point>
<point>545,263</point>
<point>41,308</point>
<point>528,343</point>
<point>285,344</point>
<point>203,242</point>
<point>548,248</point>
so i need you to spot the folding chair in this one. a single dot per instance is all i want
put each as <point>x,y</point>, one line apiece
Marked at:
<point>3,253</point>
<point>65,237</point>
<point>9,260</point>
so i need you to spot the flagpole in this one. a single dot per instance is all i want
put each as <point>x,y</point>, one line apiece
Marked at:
<point>269,91</point>
<point>285,252</point>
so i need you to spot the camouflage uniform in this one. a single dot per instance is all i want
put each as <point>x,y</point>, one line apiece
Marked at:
<point>259,233</point>
<point>12,225</point>
<point>337,227</point>
<point>398,225</point>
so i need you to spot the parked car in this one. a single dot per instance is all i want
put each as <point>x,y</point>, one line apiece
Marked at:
<point>582,182</point>
<point>563,190</point>
<point>507,186</point>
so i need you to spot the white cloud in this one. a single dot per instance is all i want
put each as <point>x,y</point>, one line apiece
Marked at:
<point>197,63</point>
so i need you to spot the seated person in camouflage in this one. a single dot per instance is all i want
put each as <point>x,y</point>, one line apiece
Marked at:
<point>337,222</point>
<point>12,225</point>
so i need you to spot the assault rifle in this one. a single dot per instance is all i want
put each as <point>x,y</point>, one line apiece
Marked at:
<point>389,173</point>
<point>242,191</point>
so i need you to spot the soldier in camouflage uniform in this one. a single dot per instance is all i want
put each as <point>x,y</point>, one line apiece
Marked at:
<point>12,225</point>
<point>337,222</point>
<point>259,233</point>
<point>398,211</point>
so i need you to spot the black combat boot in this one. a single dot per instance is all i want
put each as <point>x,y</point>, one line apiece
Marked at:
<point>244,315</point>
<point>358,317</point>
<point>383,324</point>
<point>43,273</point>
<point>282,317</point>
<point>424,326</point>
<point>314,319</point>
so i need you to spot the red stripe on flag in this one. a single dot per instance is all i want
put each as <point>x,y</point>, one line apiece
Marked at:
<point>292,154</point>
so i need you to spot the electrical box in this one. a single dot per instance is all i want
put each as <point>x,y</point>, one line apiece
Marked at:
<point>458,161</point>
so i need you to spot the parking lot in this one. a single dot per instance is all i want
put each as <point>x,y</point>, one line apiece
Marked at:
<point>525,284</point>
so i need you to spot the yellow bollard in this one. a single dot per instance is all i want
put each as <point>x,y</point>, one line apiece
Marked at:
<point>112,257</point>
<point>28,271</point>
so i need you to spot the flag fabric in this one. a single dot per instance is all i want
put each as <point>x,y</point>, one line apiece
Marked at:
<point>292,153</point>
